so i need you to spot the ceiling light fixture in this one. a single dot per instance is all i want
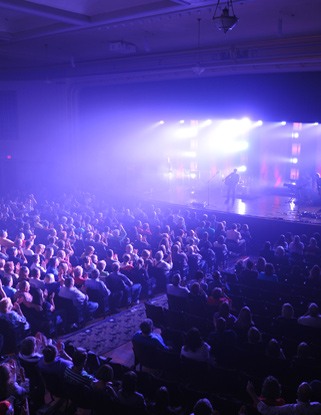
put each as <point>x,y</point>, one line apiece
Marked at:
<point>227,20</point>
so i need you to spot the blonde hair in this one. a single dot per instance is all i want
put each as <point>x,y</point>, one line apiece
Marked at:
<point>5,304</point>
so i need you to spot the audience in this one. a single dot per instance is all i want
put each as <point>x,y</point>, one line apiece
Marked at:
<point>71,246</point>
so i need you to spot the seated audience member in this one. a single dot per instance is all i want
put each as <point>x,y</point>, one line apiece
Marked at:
<point>196,299</point>
<point>128,394</point>
<point>88,265</point>
<point>208,255</point>
<point>79,276</point>
<point>7,285</point>
<point>23,274</point>
<point>119,283</point>
<point>160,263</point>
<point>141,243</point>
<point>94,283</point>
<point>296,247</point>
<point>104,382</point>
<point>69,291</point>
<point>217,297</point>
<point>268,274</point>
<point>267,252</point>
<point>222,342</point>
<point>27,251</point>
<point>260,264</point>
<point>195,260</point>
<point>161,405</point>
<point>9,270</point>
<point>303,364</point>
<point>271,392</point>
<point>287,312</point>
<point>34,280</point>
<point>248,275</point>
<point>314,277</point>
<point>286,323</point>
<point>220,230</point>
<point>140,275</point>
<point>281,242</point>
<point>111,258</point>
<point>23,296</point>
<point>203,407</point>
<point>243,323</point>
<point>235,236</point>
<point>175,287</point>
<point>51,285</point>
<point>101,266</point>
<point>52,267</point>
<point>54,360</point>
<point>274,350</point>
<point>303,406</point>
<point>312,249</point>
<point>225,312</point>
<point>36,264</point>
<point>179,258</point>
<point>77,374</point>
<point>12,313</point>
<point>13,383</point>
<point>126,264</point>
<point>16,255</point>
<point>254,348</point>
<point>312,317</point>
<point>31,348</point>
<point>4,241</point>
<point>281,257</point>
<point>146,336</point>
<point>195,348</point>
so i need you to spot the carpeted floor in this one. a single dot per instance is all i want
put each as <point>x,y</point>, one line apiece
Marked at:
<point>112,332</point>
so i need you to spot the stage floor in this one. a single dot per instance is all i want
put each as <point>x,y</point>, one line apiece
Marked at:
<point>263,206</point>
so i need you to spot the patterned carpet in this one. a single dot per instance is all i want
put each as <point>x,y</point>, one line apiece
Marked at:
<point>112,332</point>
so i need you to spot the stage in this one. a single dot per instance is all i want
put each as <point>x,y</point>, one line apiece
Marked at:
<point>268,215</point>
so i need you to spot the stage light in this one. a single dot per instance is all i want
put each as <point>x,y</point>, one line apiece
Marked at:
<point>295,135</point>
<point>161,122</point>
<point>186,132</point>
<point>181,121</point>
<point>190,154</point>
<point>241,145</point>
<point>283,123</point>
<point>242,169</point>
<point>316,123</point>
<point>245,121</point>
<point>259,123</point>
<point>193,175</point>
<point>294,160</point>
<point>207,123</point>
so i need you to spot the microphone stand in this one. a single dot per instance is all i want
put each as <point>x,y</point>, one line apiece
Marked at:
<point>208,187</point>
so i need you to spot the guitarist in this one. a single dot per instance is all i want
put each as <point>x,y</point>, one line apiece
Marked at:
<point>231,182</point>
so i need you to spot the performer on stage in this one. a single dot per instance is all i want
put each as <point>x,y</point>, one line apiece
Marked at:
<point>231,182</point>
<point>318,183</point>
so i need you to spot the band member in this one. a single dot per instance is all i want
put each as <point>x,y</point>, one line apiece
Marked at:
<point>318,183</point>
<point>231,182</point>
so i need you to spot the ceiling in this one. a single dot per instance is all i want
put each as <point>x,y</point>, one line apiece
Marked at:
<point>143,39</point>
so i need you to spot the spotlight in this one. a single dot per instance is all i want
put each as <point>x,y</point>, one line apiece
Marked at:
<point>295,135</point>
<point>161,122</point>
<point>294,160</point>
<point>181,121</point>
<point>242,169</point>
<point>259,123</point>
<point>283,123</point>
